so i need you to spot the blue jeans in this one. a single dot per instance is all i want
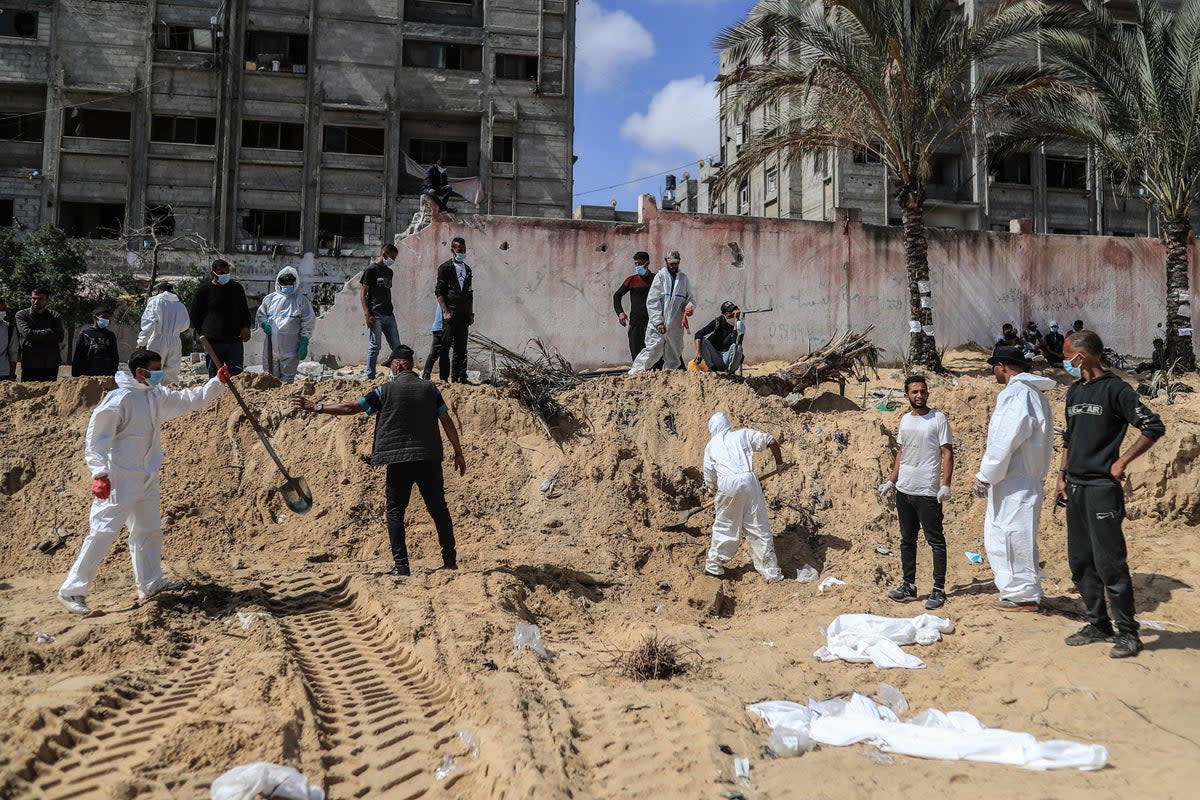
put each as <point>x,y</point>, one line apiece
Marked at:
<point>385,326</point>
<point>232,355</point>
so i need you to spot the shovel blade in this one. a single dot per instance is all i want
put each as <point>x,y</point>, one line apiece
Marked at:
<point>296,495</point>
<point>684,516</point>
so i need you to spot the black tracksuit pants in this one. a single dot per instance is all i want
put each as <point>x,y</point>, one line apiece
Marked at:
<point>918,511</point>
<point>427,475</point>
<point>439,352</point>
<point>454,337</point>
<point>637,337</point>
<point>1097,556</point>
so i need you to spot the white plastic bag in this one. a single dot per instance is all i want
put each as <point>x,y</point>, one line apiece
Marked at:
<point>892,697</point>
<point>270,780</point>
<point>806,575</point>
<point>530,636</point>
<point>828,583</point>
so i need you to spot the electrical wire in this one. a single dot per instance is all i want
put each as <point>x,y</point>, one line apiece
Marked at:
<point>638,180</point>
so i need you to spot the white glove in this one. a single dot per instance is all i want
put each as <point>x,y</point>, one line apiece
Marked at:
<point>943,494</point>
<point>980,489</point>
<point>886,487</point>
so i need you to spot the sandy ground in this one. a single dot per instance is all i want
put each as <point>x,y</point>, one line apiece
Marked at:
<point>363,682</point>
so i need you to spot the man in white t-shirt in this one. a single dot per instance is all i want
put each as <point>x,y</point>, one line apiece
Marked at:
<point>921,479</point>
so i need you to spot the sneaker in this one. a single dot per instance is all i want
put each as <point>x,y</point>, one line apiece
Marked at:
<point>400,571</point>
<point>158,587</point>
<point>1012,605</point>
<point>76,604</point>
<point>903,593</point>
<point>1089,634</point>
<point>937,599</point>
<point>1126,645</point>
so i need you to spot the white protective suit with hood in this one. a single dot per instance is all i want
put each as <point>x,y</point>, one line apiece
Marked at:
<point>665,304</point>
<point>123,443</point>
<point>292,318</point>
<point>740,505</point>
<point>1020,444</point>
<point>164,319</point>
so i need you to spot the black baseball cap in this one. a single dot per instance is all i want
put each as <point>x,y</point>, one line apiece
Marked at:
<point>401,351</point>
<point>1013,356</point>
<point>728,306</point>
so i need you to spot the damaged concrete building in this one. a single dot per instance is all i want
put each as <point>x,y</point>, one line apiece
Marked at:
<point>280,125</point>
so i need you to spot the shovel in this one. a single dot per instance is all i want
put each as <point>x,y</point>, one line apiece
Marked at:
<point>271,353</point>
<point>684,516</point>
<point>295,492</point>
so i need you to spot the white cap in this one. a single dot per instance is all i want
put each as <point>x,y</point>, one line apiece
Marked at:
<point>1053,324</point>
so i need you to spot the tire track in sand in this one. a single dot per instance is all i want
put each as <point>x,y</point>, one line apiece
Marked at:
<point>120,733</point>
<point>381,717</point>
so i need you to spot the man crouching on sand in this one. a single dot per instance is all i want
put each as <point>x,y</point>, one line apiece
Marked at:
<point>407,411</point>
<point>739,505</point>
<point>124,453</point>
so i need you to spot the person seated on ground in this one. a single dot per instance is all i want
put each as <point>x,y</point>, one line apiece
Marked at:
<point>1031,338</point>
<point>1156,358</point>
<point>437,188</point>
<point>1008,336</point>
<point>717,342</point>
<point>1052,345</point>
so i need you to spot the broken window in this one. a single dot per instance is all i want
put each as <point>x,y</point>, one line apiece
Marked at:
<point>273,224</point>
<point>348,226</point>
<point>161,219</point>
<point>443,55</point>
<point>179,37</point>
<point>91,220</point>
<point>96,124</point>
<point>427,151</point>
<point>1012,169</point>
<point>361,141</point>
<point>516,67</point>
<point>864,156</point>
<point>1066,173</point>
<point>16,22</point>
<point>268,51</point>
<point>272,135</point>
<point>21,126</point>
<point>502,149</point>
<point>183,130</point>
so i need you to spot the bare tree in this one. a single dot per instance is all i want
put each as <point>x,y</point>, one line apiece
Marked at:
<point>140,246</point>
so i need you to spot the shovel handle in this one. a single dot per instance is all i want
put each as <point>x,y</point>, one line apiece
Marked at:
<point>262,434</point>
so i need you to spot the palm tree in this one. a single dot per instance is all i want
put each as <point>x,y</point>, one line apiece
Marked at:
<point>1141,120</point>
<point>899,79</point>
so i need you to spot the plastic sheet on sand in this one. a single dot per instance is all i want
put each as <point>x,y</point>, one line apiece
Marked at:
<point>862,638</point>
<point>950,736</point>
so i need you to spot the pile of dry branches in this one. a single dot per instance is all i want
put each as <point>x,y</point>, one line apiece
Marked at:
<point>534,382</point>
<point>845,357</point>
<point>655,659</point>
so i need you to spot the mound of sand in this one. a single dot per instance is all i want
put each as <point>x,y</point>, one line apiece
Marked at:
<point>290,645</point>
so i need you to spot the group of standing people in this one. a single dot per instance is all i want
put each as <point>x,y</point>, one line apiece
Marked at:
<point>1011,476</point>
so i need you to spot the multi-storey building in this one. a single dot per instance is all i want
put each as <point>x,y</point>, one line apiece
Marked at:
<point>1059,188</point>
<point>294,124</point>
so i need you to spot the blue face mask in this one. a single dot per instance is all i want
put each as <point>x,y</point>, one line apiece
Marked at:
<point>387,262</point>
<point>102,323</point>
<point>286,289</point>
<point>1074,371</point>
<point>155,378</point>
<point>460,257</point>
<point>224,279</point>
<point>641,269</point>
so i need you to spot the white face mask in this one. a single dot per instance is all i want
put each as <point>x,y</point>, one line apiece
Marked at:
<point>3,314</point>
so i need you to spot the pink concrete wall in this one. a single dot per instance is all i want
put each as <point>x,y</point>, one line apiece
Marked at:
<point>554,279</point>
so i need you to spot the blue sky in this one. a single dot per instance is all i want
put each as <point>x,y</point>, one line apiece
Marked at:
<point>644,101</point>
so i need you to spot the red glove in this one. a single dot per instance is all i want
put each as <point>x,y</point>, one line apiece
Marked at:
<point>101,487</point>
<point>223,374</point>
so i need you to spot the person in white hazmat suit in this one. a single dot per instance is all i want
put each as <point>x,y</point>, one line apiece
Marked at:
<point>668,305</point>
<point>164,319</point>
<point>287,318</point>
<point>1012,477</point>
<point>124,453</point>
<point>740,505</point>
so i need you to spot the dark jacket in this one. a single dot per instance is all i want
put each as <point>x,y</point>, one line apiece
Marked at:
<point>95,353</point>
<point>220,312</point>
<point>41,335</point>
<point>1054,343</point>
<point>1098,413</point>
<point>406,414</point>
<point>459,301</point>
<point>434,178</point>
<point>720,333</point>
<point>637,288</point>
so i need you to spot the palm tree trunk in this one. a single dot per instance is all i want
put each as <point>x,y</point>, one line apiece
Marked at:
<point>922,345</point>
<point>1179,325</point>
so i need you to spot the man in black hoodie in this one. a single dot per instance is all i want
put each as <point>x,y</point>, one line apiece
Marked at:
<point>220,314</point>
<point>457,298</point>
<point>1100,407</point>
<point>96,348</point>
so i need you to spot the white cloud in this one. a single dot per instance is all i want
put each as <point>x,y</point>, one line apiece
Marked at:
<point>681,117</point>
<point>608,44</point>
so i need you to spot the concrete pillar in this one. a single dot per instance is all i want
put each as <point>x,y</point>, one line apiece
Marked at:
<point>310,193</point>
<point>229,114</point>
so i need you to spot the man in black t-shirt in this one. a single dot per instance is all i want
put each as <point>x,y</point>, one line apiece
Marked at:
<point>375,295</point>
<point>715,341</point>
<point>407,411</point>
